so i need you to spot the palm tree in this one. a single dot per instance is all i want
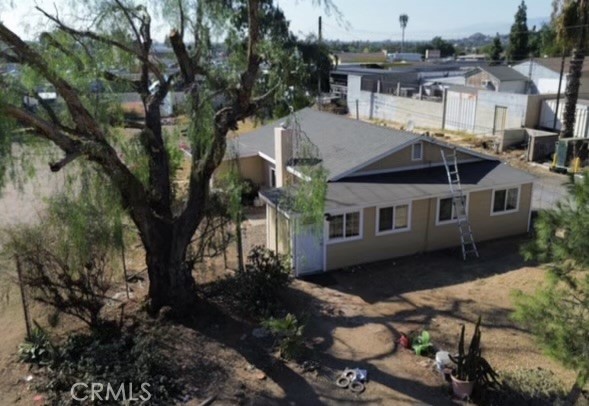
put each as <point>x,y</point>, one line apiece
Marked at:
<point>403,20</point>
<point>570,18</point>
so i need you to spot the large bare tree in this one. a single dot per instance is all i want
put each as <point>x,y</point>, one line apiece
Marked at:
<point>218,100</point>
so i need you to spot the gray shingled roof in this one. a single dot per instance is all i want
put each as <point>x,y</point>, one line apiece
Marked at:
<point>503,73</point>
<point>344,143</point>
<point>410,185</point>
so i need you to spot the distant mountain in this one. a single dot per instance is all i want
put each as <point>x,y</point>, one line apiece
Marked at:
<point>491,28</point>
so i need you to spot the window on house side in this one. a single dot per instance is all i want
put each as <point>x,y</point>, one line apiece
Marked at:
<point>393,218</point>
<point>344,226</point>
<point>447,211</point>
<point>417,151</point>
<point>505,200</point>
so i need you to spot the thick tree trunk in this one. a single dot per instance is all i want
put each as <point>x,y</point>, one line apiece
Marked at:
<point>572,93</point>
<point>170,276</point>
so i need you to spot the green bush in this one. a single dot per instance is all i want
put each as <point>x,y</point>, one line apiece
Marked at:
<point>289,334</point>
<point>36,349</point>
<point>258,286</point>
<point>114,358</point>
<point>537,387</point>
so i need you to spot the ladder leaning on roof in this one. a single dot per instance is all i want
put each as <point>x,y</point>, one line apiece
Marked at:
<point>459,205</point>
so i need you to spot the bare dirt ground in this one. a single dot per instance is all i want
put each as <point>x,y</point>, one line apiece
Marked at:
<point>354,318</point>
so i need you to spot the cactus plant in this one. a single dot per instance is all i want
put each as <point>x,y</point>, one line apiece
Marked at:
<point>471,366</point>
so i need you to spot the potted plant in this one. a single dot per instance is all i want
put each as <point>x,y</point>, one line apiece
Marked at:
<point>471,368</point>
<point>422,344</point>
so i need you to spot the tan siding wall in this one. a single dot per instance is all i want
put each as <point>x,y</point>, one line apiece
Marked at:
<point>402,158</point>
<point>253,168</point>
<point>423,223</point>
<point>374,248</point>
<point>487,227</point>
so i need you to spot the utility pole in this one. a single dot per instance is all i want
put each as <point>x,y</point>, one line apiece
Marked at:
<point>319,41</point>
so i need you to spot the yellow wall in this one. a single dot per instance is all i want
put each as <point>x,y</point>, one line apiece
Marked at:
<point>425,235</point>
<point>253,168</point>
<point>431,154</point>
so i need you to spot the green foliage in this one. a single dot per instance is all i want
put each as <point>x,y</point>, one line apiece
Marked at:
<point>130,358</point>
<point>422,344</point>
<point>68,258</point>
<point>495,50</point>
<point>518,48</point>
<point>37,349</point>
<point>537,387</point>
<point>257,288</point>
<point>569,21</point>
<point>470,365</point>
<point>558,313</point>
<point>289,334</point>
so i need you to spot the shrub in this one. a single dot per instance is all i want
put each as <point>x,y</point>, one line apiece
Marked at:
<point>36,349</point>
<point>527,387</point>
<point>114,358</point>
<point>289,334</point>
<point>258,286</point>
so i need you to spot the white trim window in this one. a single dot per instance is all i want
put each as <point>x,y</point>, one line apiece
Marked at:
<point>345,226</point>
<point>417,151</point>
<point>505,201</point>
<point>446,212</point>
<point>392,219</point>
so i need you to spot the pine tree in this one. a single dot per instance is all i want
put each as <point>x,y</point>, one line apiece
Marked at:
<point>518,37</point>
<point>558,313</point>
<point>495,50</point>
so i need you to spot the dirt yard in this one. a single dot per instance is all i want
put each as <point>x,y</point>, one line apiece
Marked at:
<point>354,319</point>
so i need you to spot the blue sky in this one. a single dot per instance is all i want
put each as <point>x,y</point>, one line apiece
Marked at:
<point>368,19</point>
<point>379,19</point>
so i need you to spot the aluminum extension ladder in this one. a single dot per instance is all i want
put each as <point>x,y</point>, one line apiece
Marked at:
<point>459,205</point>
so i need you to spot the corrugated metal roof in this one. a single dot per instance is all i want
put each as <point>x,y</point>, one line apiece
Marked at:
<point>343,143</point>
<point>502,73</point>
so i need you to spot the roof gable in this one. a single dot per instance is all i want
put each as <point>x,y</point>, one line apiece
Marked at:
<point>501,73</point>
<point>343,143</point>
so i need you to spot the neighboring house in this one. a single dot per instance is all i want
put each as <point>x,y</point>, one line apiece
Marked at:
<point>497,78</point>
<point>344,58</point>
<point>387,193</point>
<point>544,74</point>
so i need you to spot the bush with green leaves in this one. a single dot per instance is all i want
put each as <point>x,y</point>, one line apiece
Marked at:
<point>422,344</point>
<point>537,387</point>
<point>258,286</point>
<point>37,348</point>
<point>289,335</point>
<point>115,358</point>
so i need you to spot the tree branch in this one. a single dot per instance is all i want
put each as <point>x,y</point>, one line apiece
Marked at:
<point>104,40</point>
<point>84,121</point>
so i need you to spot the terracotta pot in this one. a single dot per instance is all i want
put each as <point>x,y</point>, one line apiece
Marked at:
<point>461,389</point>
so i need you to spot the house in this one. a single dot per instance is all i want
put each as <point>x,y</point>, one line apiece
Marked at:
<point>544,74</point>
<point>497,78</point>
<point>387,192</point>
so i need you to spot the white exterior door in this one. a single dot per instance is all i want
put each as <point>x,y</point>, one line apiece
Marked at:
<point>308,249</point>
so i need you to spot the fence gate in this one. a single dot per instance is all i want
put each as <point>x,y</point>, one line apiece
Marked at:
<point>460,111</point>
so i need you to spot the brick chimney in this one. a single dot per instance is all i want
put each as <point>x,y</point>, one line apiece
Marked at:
<point>282,153</point>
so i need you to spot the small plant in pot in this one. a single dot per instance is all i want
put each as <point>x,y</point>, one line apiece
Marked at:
<point>471,368</point>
